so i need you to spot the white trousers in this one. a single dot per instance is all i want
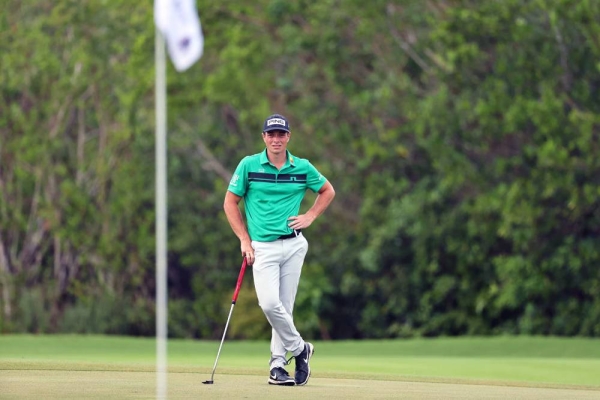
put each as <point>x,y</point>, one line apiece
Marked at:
<point>276,270</point>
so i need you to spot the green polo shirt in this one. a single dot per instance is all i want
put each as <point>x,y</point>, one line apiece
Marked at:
<point>270,195</point>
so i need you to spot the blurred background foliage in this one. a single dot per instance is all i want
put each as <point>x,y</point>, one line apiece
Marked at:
<point>462,139</point>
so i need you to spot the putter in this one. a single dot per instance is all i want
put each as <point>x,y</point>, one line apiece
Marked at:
<point>235,295</point>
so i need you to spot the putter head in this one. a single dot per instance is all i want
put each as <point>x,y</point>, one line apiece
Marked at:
<point>208,382</point>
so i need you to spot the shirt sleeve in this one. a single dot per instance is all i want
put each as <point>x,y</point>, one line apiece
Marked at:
<point>239,180</point>
<point>314,179</point>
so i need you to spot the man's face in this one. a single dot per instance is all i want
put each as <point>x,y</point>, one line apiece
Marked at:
<point>276,141</point>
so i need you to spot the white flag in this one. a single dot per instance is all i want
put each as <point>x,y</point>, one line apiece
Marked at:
<point>179,23</point>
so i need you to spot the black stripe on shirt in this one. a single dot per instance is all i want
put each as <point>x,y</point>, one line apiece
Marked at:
<point>282,178</point>
<point>261,177</point>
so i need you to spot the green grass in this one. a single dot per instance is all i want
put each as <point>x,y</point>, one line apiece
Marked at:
<point>505,360</point>
<point>72,367</point>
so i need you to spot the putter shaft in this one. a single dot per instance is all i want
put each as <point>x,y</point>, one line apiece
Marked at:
<point>221,345</point>
<point>233,300</point>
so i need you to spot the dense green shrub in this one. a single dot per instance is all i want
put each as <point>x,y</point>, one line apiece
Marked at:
<point>461,137</point>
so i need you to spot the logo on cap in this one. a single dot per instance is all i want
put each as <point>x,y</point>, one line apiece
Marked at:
<point>276,121</point>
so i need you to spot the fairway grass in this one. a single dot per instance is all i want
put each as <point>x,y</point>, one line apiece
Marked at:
<point>33,366</point>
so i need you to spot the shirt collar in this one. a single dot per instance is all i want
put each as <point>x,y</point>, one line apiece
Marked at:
<point>290,159</point>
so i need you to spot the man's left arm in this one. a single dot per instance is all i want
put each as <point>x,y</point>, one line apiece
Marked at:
<point>324,198</point>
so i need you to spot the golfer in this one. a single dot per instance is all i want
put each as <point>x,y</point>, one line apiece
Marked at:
<point>273,184</point>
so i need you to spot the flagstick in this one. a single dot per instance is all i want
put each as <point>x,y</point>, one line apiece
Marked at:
<point>161,217</point>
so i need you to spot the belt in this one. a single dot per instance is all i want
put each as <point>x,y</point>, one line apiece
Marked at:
<point>294,234</point>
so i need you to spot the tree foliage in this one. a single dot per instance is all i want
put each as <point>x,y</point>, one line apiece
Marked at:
<point>461,137</point>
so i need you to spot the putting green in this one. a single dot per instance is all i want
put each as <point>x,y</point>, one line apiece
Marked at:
<point>76,367</point>
<point>140,385</point>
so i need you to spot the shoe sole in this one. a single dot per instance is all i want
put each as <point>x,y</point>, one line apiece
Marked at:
<point>310,354</point>
<point>277,383</point>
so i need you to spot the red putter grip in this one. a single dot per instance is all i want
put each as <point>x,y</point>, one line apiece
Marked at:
<point>239,281</point>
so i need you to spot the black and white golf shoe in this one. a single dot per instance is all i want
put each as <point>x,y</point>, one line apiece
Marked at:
<point>279,376</point>
<point>302,368</point>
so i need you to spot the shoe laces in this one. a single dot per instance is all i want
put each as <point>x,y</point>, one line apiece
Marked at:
<point>281,370</point>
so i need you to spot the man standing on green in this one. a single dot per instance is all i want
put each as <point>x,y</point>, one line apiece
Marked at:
<point>273,184</point>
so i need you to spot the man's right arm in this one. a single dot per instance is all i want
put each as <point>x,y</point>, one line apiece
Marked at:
<point>234,216</point>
